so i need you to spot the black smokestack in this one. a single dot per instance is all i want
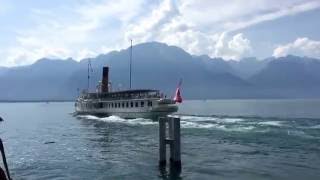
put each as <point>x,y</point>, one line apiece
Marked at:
<point>105,80</point>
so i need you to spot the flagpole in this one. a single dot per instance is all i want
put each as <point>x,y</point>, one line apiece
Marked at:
<point>89,69</point>
<point>88,85</point>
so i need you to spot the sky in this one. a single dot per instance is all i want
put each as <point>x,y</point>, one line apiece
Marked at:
<point>233,29</point>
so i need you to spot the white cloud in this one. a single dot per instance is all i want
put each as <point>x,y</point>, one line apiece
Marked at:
<point>82,31</point>
<point>148,28</point>
<point>88,28</point>
<point>237,14</point>
<point>301,46</point>
<point>236,48</point>
<point>166,24</point>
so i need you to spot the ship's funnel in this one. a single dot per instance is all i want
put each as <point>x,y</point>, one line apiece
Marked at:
<point>105,80</point>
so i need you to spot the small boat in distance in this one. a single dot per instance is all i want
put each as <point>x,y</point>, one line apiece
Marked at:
<point>132,103</point>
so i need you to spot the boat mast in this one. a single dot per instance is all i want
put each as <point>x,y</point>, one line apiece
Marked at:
<point>130,61</point>
<point>89,68</point>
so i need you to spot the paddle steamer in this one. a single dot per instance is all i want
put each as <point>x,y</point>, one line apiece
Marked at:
<point>132,103</point>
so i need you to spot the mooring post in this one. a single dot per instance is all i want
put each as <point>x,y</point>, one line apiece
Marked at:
<point>162,141</point>
<point>170,138</point>
<point>176,143</point>
<point>173,140</point>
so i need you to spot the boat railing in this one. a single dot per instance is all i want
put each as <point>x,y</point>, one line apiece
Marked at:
<point>115,97</point>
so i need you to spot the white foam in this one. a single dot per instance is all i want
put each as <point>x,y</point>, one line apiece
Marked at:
<point>201,125</point>
<point>88,117</point>
<point>315,127</point>
<point>192,118</point>
<point>141,121</point>
<point>300,134</point>
<point>117,119</point>
<point>230,120</point>
<point>186,122</point>
<point>241,128</point>
<point>209,119</point>
<point>271,123</point>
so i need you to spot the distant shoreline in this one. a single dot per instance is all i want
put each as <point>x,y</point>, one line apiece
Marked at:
<point>209,99</point>
<point>34,101</point>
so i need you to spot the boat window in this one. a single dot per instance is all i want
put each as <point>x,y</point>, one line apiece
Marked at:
<point>142,103</point>
<point>150,103</point>
<point>127,104</point>
<point>123,104</point>
<point>131,104</point>
<point>137,104</point>
<point>112,105</point>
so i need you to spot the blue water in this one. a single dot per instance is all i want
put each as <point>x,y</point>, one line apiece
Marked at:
<point>221,139</point>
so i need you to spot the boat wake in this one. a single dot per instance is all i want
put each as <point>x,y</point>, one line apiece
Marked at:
<point>116,119</point>
<point>228,124</point>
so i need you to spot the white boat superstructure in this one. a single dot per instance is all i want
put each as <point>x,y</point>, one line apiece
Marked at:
<point>141,103</point>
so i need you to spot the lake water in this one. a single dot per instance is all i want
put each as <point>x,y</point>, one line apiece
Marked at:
<point>221,139</point>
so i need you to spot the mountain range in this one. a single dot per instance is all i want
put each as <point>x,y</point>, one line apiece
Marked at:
<point>159,66</point>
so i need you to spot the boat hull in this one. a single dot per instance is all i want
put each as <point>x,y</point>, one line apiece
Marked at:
<point>129,115</point>
<point>158,110</point>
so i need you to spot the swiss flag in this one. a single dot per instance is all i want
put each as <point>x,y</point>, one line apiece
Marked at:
<point>177,98</point>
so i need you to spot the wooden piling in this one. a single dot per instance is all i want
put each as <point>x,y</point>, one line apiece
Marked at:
<point>162,141</point>
<point>173,140</point>
<point>176,143</point>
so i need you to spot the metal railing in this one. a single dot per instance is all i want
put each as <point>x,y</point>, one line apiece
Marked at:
<point>4,160</point>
